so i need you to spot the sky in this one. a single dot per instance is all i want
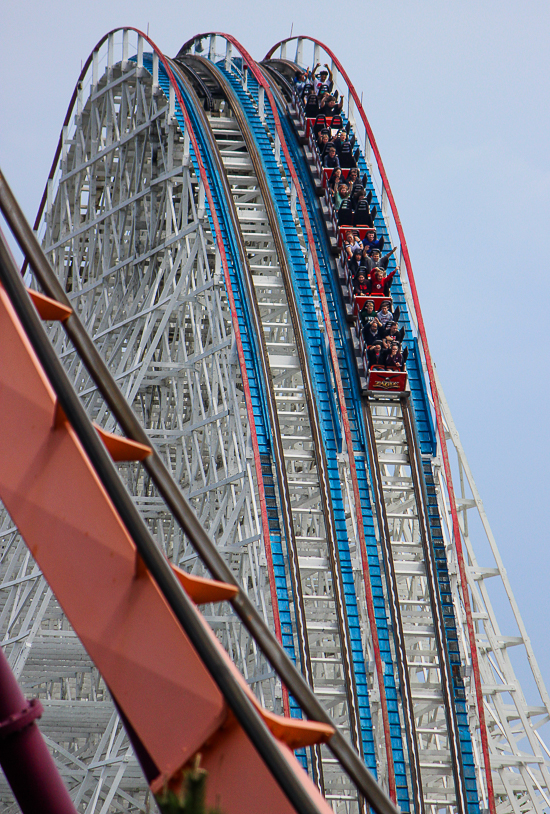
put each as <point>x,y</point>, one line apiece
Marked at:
<point>457,96</point>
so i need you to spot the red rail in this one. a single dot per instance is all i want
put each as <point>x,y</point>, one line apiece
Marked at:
<point>437,408</point>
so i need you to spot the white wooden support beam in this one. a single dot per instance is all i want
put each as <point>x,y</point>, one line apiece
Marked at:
<point>79,100</point>
<point>228,55</point>
<point>316,54</point>
<point>125,49</point>
<point>293,198</point>
<point>49,196</point>
<point>64,143</point>
<point>110,53</point>
<point>201,202</point>
<point>186,143</point>
<point>94,70</point>
<point>171,103</point>
<point>156,72</point>
<point>277,149</point>
<point>384,201</point>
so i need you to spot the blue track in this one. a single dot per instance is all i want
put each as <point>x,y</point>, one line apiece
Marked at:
<point>427,442</point>
<point>320,366</point>
<point>258,387</point>
<point>319,363</point>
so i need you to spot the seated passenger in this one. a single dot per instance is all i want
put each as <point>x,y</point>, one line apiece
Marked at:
<point>372,334</point>
<point>380,284</point>
<point>354,264</point>
<point>330,157</point>
<point>331,107</point>
<point>393,332</point>
<point>340,195</point>
<point>372,259</point>
<point>338,140</point>
<point>323,78</point>
<point>385,315</point>
<point>351,242</point>
<point>322,140</point>
<point>335,179</point>
<point>324,96</point>
<point>357,189</point>
<point>312,106</point>
<point>374,353</point>
<point>370,241</point>
<point>367,313</point>
<point>393,360</point>
<point>360,285</point>
<point>353,177</point>
<point>300,79</point>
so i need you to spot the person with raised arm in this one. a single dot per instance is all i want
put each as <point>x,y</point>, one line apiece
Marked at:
<point>341,194</point>
<point>372,333</point>
<point>372,259</point>
<point>323,78</point>
<point>380,283</point>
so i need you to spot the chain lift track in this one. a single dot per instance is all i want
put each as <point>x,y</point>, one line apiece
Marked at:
<point>184,224</point>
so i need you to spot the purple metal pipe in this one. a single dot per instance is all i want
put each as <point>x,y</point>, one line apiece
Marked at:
<point>24,757</point>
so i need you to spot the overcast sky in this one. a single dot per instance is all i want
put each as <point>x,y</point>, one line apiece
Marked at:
<point>457,95</point>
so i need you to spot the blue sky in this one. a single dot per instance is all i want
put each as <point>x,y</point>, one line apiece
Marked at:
<point>457,95</point>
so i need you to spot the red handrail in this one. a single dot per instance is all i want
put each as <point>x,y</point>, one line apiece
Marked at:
<point>437,408</point>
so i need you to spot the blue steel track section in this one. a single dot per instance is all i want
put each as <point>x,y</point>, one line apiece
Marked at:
<point>319,366</point>
<point>427,442</point>
<point>426,439</point>
<point>350,383</point>
<point>346,360</point>
<point>451,635</point>
<point>258,388</point>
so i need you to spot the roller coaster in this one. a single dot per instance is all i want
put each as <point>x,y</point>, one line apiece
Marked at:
<point>189,421</point>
